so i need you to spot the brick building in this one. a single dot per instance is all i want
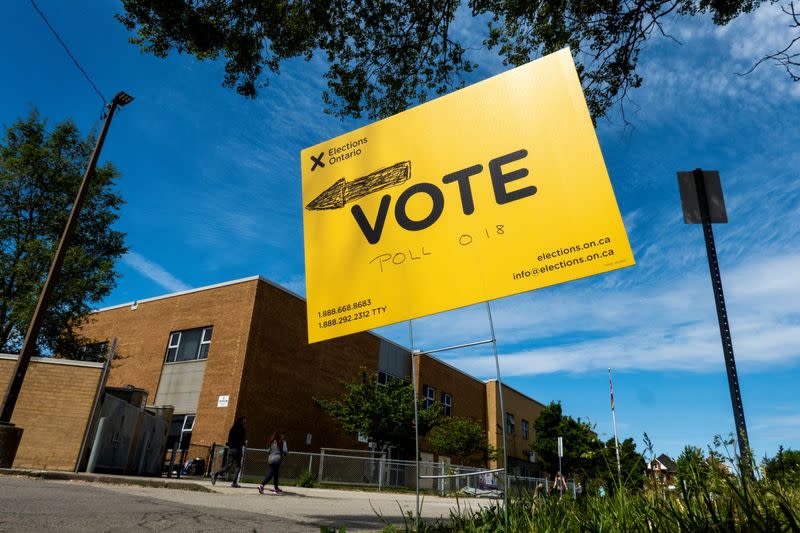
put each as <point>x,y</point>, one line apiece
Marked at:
<point>240,348</point>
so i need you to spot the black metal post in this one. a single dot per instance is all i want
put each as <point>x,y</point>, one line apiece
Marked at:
<point>724,328</point>
<point>29,344</point>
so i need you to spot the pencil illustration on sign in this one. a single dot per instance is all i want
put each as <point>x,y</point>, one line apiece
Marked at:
<point>342,192</point>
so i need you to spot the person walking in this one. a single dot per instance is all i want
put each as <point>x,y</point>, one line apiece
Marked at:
<point>560,484</point>
<point>236,443</point>
<point>277,450</point>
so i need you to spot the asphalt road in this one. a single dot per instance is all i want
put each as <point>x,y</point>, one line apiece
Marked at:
<point>38,505</point>
<point>30,504</point>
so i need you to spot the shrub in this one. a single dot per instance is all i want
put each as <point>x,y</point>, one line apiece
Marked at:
<point>306,479</point>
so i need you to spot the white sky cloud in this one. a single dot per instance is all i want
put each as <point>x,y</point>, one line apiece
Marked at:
<point>670,325</point>
<point>154,272</point>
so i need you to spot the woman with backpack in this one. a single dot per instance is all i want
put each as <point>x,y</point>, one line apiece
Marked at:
<point>277,450</point>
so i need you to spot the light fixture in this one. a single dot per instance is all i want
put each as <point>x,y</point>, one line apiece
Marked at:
<point>122,98</point>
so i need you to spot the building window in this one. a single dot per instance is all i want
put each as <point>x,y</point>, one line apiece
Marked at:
<point>180,431</point>
<point>188,345</point>
<point>96,351</point>
<point>383,377</point>
<point>509,423</point>
<point>188,424</point>
<point>524,429</point>
<point>429,395</point>
<point>447,403</point>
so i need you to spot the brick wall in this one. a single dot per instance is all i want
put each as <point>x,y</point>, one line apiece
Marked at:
<point>53,410</point>
<point>284,373</point>
<point>143,335</point>
<point>260,357</point>
<point>469,400</point>
<point>519,405</point>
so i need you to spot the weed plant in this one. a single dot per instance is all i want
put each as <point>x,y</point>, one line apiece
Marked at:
<point>708,497</point>
<point>735,505</point>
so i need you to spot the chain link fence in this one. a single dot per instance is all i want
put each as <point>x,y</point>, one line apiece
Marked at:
<point>332,467</point>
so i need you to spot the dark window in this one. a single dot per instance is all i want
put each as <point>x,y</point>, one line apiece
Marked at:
<point>188,424</point>
<point>429,396</point>
<point>95,351</point>
<point>509,423</point>
<point>188,345</point>
<point>447,403</point>
<point>524,429</point>
<point>180,431</point>
<point>383,377</point>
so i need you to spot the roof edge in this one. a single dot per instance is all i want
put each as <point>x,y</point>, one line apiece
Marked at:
<point>517,391</point>
<point>188,291</point>
<point>53,360</point>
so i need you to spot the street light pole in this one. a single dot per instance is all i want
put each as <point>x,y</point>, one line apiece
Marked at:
<point>9,434</point>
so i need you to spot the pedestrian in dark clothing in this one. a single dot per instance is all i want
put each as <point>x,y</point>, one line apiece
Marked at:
<point>236,443</point>
<point>277,450</point>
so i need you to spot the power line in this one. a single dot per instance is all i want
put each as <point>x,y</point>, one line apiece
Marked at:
<point>85,75</point>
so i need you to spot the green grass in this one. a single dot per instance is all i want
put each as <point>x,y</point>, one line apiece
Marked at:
<point>724,503</point>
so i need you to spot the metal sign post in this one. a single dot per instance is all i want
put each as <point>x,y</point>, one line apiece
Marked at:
<point>416,419</point>
<point>414,354</point>
<point>702,201</point>
<point>560,473</point>
<point>614,420</point>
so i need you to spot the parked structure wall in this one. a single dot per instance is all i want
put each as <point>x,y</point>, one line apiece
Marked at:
<point>53,409</point>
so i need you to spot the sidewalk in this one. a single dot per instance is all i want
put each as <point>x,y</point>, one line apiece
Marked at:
<point>357,510</point>
<point>156,482</point>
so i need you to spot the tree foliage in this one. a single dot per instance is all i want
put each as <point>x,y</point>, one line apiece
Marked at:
<point>384,55</point>
<point>40,171</point>
<point>692,466</point>
<point>632,467</point>
<point>586,457</point>
<point>463,439</point>
<point>384,414</point>
<point>784,467</point>
<point>582,448</point>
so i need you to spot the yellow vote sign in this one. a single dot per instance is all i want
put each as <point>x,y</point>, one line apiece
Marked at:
<point>493,190</point>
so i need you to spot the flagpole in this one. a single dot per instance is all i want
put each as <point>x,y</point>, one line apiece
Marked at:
<point>614,419</point>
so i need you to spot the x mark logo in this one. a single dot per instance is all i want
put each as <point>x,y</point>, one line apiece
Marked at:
<point>317,161</point>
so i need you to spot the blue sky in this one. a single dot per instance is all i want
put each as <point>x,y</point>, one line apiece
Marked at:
<point>212,187</point>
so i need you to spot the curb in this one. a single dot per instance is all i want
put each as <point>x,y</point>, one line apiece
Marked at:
<point>101,478</point>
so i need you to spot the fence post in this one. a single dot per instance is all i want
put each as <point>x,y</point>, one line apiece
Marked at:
<point>441,480</point>
<point>172,459</point>
<point>98,437</point>
<point>321,464</point>
<point>181,461</point>
<point>241,465</point>
<point>210,467</point>
<point>380,472</point>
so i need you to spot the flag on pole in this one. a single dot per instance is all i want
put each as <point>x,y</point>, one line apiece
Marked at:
<point>611,388</point>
